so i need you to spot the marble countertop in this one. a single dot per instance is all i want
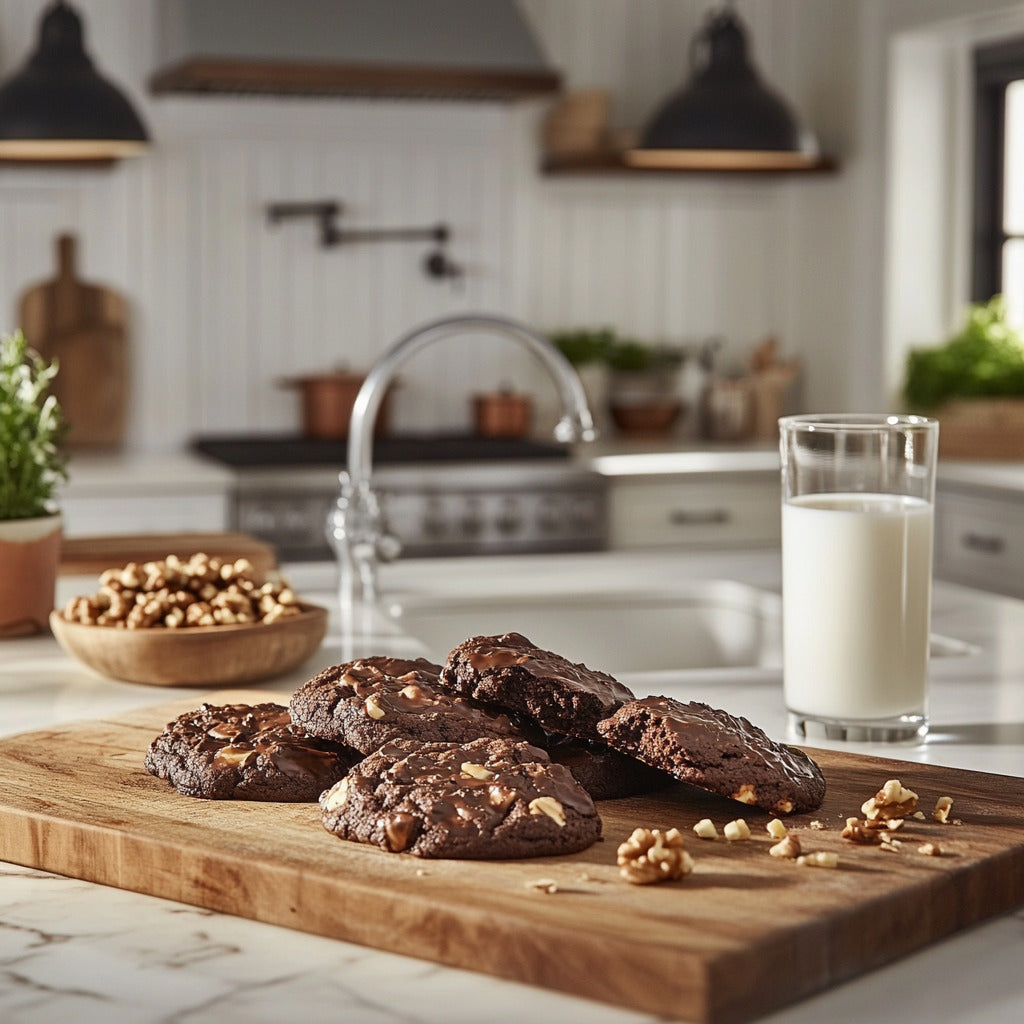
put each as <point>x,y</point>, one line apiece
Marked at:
<point>74,951</point>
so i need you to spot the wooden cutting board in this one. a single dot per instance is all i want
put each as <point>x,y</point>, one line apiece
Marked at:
<point>740,937</point>
<point>85,327</point>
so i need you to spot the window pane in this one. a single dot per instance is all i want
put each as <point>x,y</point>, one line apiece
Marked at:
<point>1013,200</point>
<point>1013,281</point>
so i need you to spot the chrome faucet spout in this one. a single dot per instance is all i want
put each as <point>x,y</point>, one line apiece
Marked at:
<point>356,526</point>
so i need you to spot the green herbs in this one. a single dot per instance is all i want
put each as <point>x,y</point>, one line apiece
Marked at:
<point>31,428</point>
<point>986,359</point>
<point>589,346</point>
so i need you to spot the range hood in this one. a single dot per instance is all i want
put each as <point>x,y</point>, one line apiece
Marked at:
<point>428,49</point>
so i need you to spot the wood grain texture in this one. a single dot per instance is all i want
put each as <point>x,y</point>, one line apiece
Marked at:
<point>741,936</point>
<point>85,328</point>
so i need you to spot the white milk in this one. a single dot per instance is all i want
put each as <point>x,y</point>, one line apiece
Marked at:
<point>856,587</point>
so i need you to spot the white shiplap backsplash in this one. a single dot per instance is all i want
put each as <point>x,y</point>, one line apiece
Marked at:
<point>224,304</point>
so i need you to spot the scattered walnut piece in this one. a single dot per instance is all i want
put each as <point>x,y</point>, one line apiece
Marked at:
<point>942,808</point>
<point>893,800</point>
<point>705,829</point>
<point>551,807</point>
<point>818,826</point>
<point>547,885</point>
<point>736,830</point>
<point>930,849</point>
<point>819,859</point>
<point>650,855</point>
<point>788,848</point>
<point>861,833</point>
<point>918,815</point>
<point>776,829</point>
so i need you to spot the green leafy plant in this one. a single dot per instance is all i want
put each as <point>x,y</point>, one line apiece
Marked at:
<point>631,356</point>
<point>584,346</point>
<point>31,429</point>
<point>985,359</point>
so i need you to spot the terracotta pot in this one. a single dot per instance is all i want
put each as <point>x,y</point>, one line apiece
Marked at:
<point>29,559</point>
<point>327,400</point>
<point>502,414</point>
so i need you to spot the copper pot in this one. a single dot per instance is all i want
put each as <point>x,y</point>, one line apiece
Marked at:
<point>502,414</point>
<point>327,400</point>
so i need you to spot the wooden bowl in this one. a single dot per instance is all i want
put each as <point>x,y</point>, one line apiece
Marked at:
<point>648,419</point>
<point>196,655</point>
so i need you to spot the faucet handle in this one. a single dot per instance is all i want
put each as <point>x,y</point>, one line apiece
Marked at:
<point>388,546</point>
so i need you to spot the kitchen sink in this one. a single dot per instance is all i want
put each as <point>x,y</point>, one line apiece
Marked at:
<point>698,625</point>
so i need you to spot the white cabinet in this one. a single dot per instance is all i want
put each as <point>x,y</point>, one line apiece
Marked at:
<point>695,510</point>
<point>979,539</point>
<point>140,493</point>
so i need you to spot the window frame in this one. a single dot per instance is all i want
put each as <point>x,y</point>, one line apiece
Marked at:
<point>995,67</point>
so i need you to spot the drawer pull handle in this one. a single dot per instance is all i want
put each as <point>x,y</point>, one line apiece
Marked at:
<point>698,517</point>
<point>986,544</point>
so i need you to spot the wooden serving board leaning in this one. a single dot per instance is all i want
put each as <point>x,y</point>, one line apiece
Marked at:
<point>740,937</point>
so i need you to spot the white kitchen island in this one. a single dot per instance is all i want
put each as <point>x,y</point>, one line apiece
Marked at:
<point>75,951</point>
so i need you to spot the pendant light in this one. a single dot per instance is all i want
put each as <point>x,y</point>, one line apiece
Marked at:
<point>58,108</point>
<point>725,117</point>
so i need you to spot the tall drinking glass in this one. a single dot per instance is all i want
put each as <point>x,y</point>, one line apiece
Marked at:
<point>858,499</point>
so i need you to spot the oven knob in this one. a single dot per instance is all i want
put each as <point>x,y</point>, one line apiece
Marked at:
<point>509,519</point>
<point>548,518</point>
<point>472,523</point>
<point>434,523</point>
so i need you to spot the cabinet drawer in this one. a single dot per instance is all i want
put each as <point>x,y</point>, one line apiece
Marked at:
<point>980,541</point>
<point>694,512</point>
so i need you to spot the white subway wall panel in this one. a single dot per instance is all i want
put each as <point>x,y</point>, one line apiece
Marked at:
<point>225,305</point>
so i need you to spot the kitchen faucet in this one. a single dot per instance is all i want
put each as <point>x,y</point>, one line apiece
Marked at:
<point>355,526</point>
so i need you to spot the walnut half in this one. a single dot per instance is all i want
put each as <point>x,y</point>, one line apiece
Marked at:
<point>650,855</point>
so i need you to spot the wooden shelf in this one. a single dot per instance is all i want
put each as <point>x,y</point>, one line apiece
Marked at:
<point>240,76</point>
<point>615,164</point>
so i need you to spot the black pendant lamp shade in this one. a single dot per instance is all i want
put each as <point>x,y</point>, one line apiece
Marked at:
<point>725,115</point>
<point>59,108</point>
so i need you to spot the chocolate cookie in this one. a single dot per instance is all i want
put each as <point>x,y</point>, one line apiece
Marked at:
<point>716,751</point>
<point>366,703</point>
<point>246,752</point>
<point>604,773</point>
<point>510,672</point>
<point>484,800</point>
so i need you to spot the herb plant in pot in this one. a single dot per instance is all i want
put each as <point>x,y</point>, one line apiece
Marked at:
<point>31,467</point>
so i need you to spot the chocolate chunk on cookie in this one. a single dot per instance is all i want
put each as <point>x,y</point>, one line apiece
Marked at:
<point>511,672</point>
<point>716,751</point>
<point>367,702</point>
<point>246,752</point>
<point>483,800</point>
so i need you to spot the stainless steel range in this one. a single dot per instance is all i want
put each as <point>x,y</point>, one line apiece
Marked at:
<point>444,495</point>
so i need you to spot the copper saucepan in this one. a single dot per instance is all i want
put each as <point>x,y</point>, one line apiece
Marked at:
<point>327,400</point>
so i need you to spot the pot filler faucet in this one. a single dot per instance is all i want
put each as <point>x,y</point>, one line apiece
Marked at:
<point>355,526</point>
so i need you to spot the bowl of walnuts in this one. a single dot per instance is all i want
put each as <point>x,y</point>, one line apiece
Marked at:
<point>198,621</point>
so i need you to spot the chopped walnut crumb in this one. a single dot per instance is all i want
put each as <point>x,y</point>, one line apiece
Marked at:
<point>736,830</point>
<point>705,829</point>
<point>776,829</point>
<point>650,855</point>
<point>819,859</point>
<point>893,800</point>
<point>930,849</point>
<point>861,833</point>
<point>788,848</point>
<point>546,885</point>
<point>942,808</point>
<point>818,826</point>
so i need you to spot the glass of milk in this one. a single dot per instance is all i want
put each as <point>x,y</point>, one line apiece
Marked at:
<point>858,500</point>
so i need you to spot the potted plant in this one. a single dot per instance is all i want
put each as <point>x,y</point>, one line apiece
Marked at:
<point>974,384</point>
<point>31,466</point>
<point>644,397</point>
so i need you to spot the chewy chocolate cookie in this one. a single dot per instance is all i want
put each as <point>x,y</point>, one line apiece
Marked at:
<point>246,752</point>
<point>716,751</point>
<point>484,800</point>
<point>367,702</point>
<point>510,672</point>
<point>604,773</point>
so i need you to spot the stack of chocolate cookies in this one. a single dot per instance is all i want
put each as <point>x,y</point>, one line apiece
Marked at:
<point>498,753</point>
